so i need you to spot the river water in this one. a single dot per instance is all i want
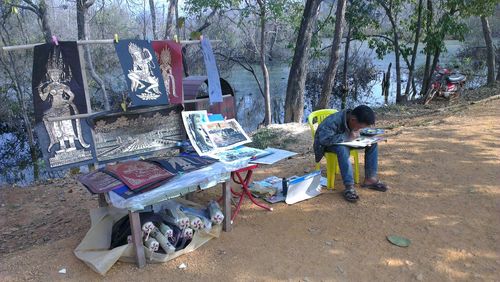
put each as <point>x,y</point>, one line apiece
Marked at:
<point>250,103</point>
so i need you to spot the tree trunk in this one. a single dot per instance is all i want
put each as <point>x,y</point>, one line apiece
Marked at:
<point>265,73</point>
<point>272,41</point>
<point>80,18</point>
<point>47,32</point>
<point>170,28</point>
<point>397,53</point>
<point>435,60</point>
<point>427,69</point>
<point>490,50</point>
<point>414,51</point>
<point>331,71</point>
<point>144,32</point>
<point>82,7</point>
<point>153,18</point>
<point>176,24</point>
<point>345,86</point>
<point>386,84</point>
<point>294,101</point>
<point>399,97</point>
<point>498,72</point>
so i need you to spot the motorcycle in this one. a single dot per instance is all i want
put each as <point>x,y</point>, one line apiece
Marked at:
<point>445,83</point>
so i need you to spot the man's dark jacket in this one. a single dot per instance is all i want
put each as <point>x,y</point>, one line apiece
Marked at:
<point>332,130</point>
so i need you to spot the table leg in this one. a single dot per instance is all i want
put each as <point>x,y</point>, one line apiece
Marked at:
<point>189,196</point>
<point>135,225</point>
<point>102,201</point>
<point>226,209</point>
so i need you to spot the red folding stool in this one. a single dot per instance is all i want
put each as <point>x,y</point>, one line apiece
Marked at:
<point>244,182</point>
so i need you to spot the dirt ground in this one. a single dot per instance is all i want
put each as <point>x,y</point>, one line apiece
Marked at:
<point>443,169</point>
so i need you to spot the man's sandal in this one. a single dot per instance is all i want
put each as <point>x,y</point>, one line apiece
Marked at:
<point>378,186</point>
<point>350,195</point>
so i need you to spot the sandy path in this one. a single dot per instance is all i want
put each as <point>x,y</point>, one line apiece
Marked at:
<point>445,197</point>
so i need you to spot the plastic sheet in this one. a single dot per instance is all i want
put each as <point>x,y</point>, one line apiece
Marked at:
<point>201,215</point>
<point>163,241</point>
<point>166,230</point>
<point>215,212</point>
<point>195,222</point>
<point>152,244</point>
<point>172,213</point>
<point>179,185</point>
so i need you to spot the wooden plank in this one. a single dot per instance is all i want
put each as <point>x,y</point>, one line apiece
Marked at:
<point>83,42</point>
<point>135,225</point>
<point>81,54</point>
<point>83,67</point>
<point>226,208</point>
<point>203,99</point>
<point>71,117</point>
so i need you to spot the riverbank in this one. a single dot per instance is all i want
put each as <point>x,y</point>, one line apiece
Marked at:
<point>441,163</point>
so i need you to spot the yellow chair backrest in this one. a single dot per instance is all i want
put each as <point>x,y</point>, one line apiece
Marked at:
<point>317,117</point>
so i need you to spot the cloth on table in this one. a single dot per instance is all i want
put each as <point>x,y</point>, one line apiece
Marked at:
<point>204,178</point>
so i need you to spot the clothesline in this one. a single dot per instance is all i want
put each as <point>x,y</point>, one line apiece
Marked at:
<point>84,42</point>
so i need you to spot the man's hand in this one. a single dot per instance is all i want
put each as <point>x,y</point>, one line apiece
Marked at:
<point>353,135</point>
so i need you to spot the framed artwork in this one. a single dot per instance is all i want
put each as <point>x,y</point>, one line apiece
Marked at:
<point>142,72</point>
<point>137,132</point>
<point>226,134</point>
<point>169,54</point>
<point>201,142</point>
<point>58,92</point>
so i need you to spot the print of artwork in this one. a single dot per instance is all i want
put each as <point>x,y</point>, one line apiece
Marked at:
<point>137,132</point>
<point>239,153</point>
<point>142,72</point>
<point>200,141</point>
<point>138,174</point>
<point>226,134</point>
<point>58,92</point>
<point>182,164</point>
<point>169,54</point>
<point>99,182</point>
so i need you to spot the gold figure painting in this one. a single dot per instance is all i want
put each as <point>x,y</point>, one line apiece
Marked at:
<point>57,104</point>
<point>142,73</point>
<point>169,54</point>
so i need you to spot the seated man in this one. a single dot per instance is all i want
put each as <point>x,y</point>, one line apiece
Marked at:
<point>344,126</point>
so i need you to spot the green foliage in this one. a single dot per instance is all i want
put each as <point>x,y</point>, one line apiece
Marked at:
<point>202,6</point>
<point>381,46</point>
<point>451,22</point>
<point>264,138</point>
<point>195,35</point>
<point>270,137</point>
<point>180,22</point>
<point>361,15</point>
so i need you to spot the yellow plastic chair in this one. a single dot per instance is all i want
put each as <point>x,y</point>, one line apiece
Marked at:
<point>332,167</point>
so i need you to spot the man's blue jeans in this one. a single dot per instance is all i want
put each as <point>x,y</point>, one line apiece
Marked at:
<point>343,153</point>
